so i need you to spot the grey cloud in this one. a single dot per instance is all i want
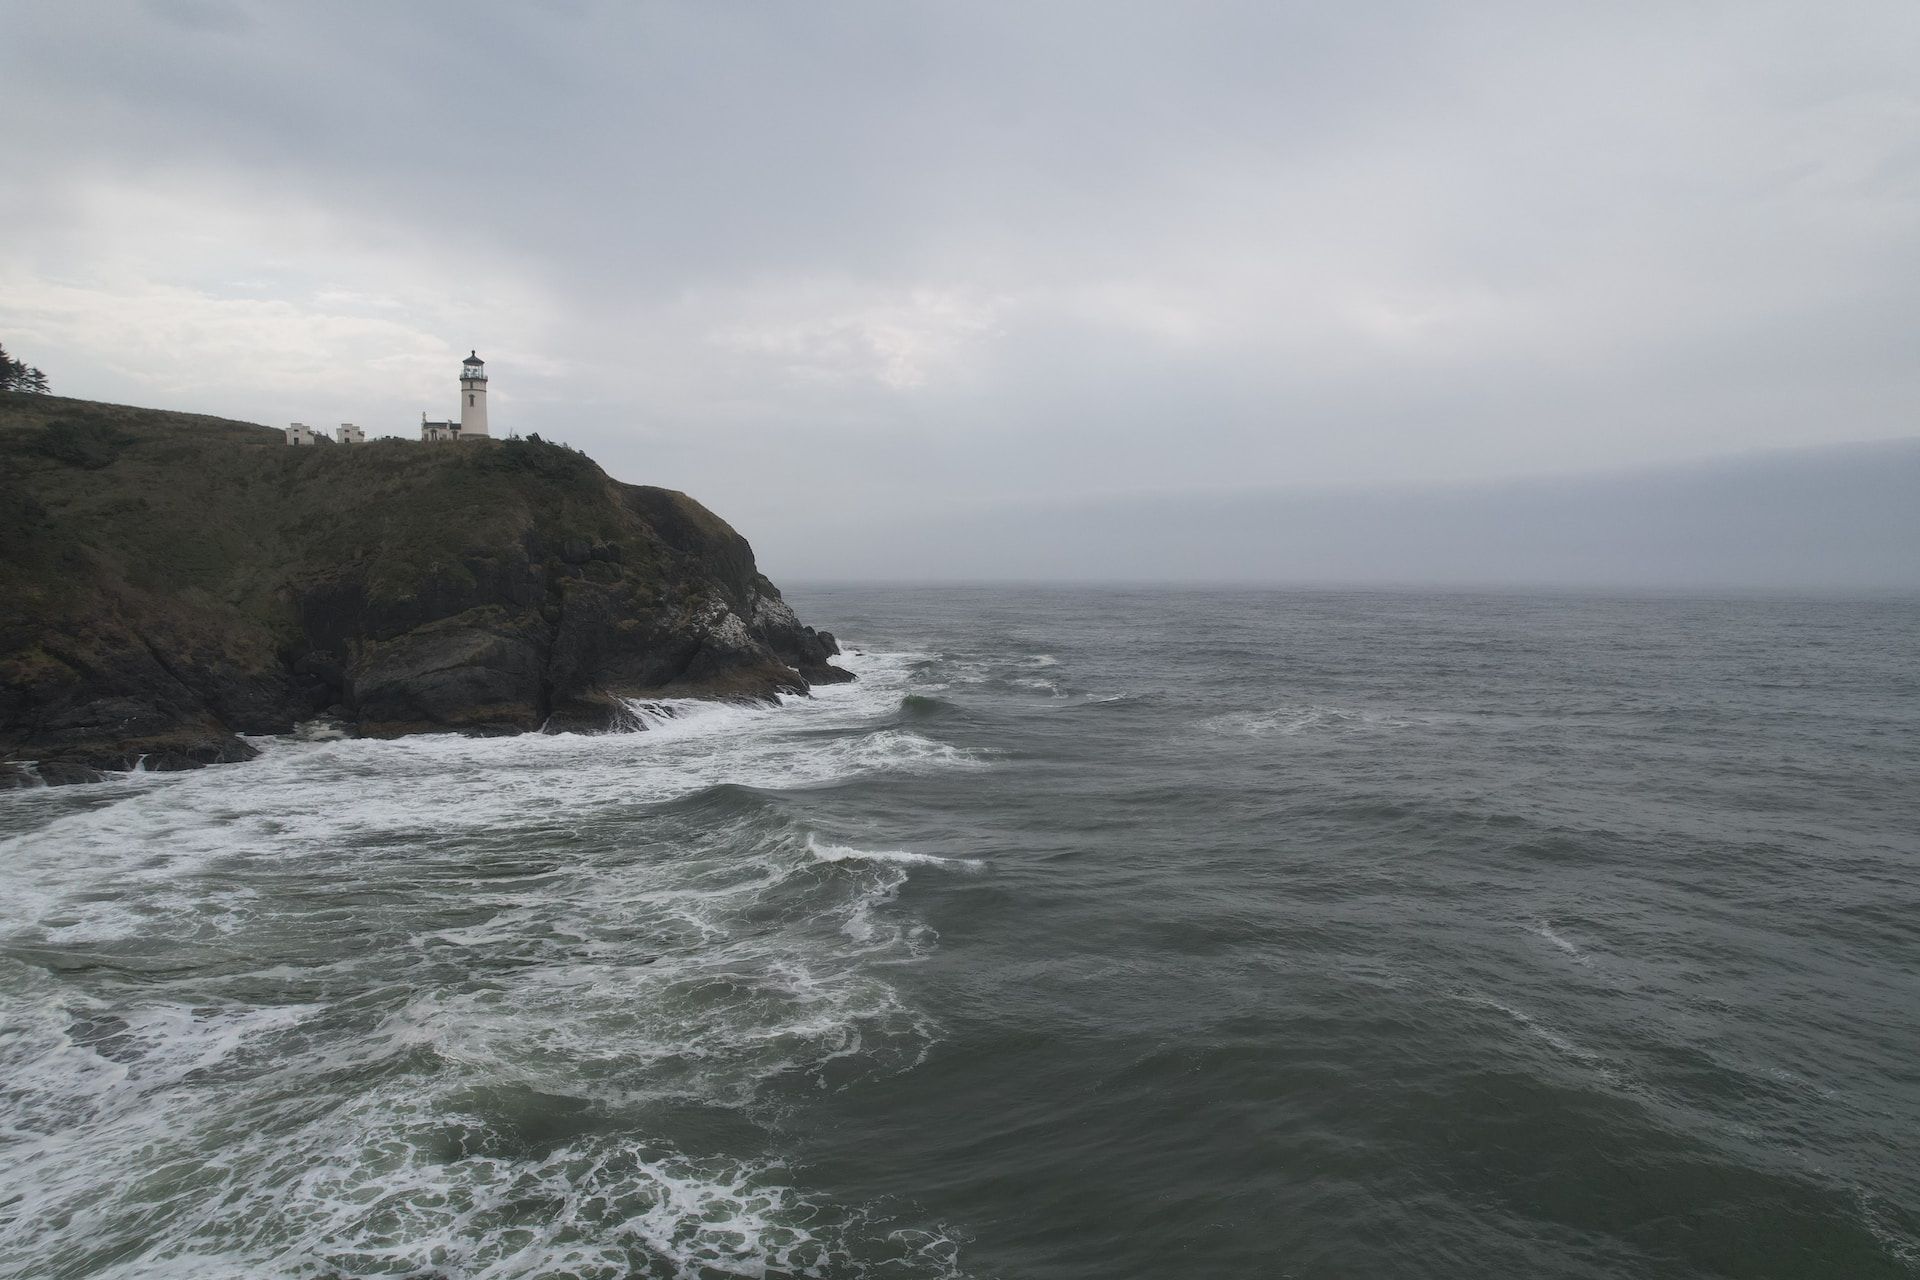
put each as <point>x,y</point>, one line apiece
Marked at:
<point>890,258</point>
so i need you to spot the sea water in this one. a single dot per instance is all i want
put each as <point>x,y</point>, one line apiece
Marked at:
<point>1092,933</point>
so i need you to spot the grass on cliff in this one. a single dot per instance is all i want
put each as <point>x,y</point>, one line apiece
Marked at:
<point>184,506</point>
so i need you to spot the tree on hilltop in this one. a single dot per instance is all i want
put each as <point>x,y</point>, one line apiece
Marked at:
<point>18,375</point>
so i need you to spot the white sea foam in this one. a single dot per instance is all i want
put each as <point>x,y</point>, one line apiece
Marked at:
<point>301,797</point>
<point>1540,1030</point>
<point>415,942</point>
<point>846,853</point>
<point>1902,1247</point>
<point>1305,719</point>
<point>1542,929</point>
<point>943,673</point>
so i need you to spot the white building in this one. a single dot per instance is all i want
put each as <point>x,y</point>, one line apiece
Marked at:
<point>473,406</point>
<point>301,433</point>
<point>472,423</point>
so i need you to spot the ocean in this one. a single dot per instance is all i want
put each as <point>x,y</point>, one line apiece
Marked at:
<point>1093,934</point>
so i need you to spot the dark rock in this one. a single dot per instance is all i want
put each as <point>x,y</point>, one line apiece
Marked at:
<point>589,714</point>
<point>228,750</point>
<point>478,672</point>
<point>190,753</point>
<point>799,646</point>
<point>325,668</point>
<point>65,773</point>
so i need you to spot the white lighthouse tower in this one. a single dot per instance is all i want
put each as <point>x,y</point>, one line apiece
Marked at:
<point>473,398</point>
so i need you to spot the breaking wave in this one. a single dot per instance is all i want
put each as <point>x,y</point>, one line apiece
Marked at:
<point>1289,721</point>
<point>845,853</point>
<point>445,1006</point>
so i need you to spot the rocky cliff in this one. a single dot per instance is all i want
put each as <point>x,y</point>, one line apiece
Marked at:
<point>169,582</point>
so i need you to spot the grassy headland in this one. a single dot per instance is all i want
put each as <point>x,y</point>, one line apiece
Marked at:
<point>170,579</point>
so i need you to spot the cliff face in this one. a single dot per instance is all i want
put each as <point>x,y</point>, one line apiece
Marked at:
<point>170,581</point>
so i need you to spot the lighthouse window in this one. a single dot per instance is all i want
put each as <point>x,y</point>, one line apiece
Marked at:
<point>469,399</point>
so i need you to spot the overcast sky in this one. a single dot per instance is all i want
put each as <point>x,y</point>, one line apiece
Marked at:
<point>882,258</point>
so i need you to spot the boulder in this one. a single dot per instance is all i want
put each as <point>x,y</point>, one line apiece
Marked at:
<point>62,773</point>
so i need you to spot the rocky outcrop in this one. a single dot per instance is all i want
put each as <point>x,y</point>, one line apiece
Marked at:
<point>181,581</point>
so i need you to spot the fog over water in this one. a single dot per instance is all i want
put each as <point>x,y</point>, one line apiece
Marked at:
<point>1837,519</point>
<point>838,268</point>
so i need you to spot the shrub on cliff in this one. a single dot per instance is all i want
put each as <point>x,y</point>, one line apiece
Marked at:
<point>18,375</point>
<point>544,458</point>
<point>80,442</point>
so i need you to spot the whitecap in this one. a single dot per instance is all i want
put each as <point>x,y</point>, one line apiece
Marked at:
<point>846,853</point>
<point>1535,1027</point>
<point>1307,718</point>
<point>1542,929</point>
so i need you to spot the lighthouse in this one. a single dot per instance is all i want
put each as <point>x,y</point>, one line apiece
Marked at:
<point>473,398</point>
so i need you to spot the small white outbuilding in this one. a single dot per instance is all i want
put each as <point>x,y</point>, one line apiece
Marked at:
<point>301,433</point>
